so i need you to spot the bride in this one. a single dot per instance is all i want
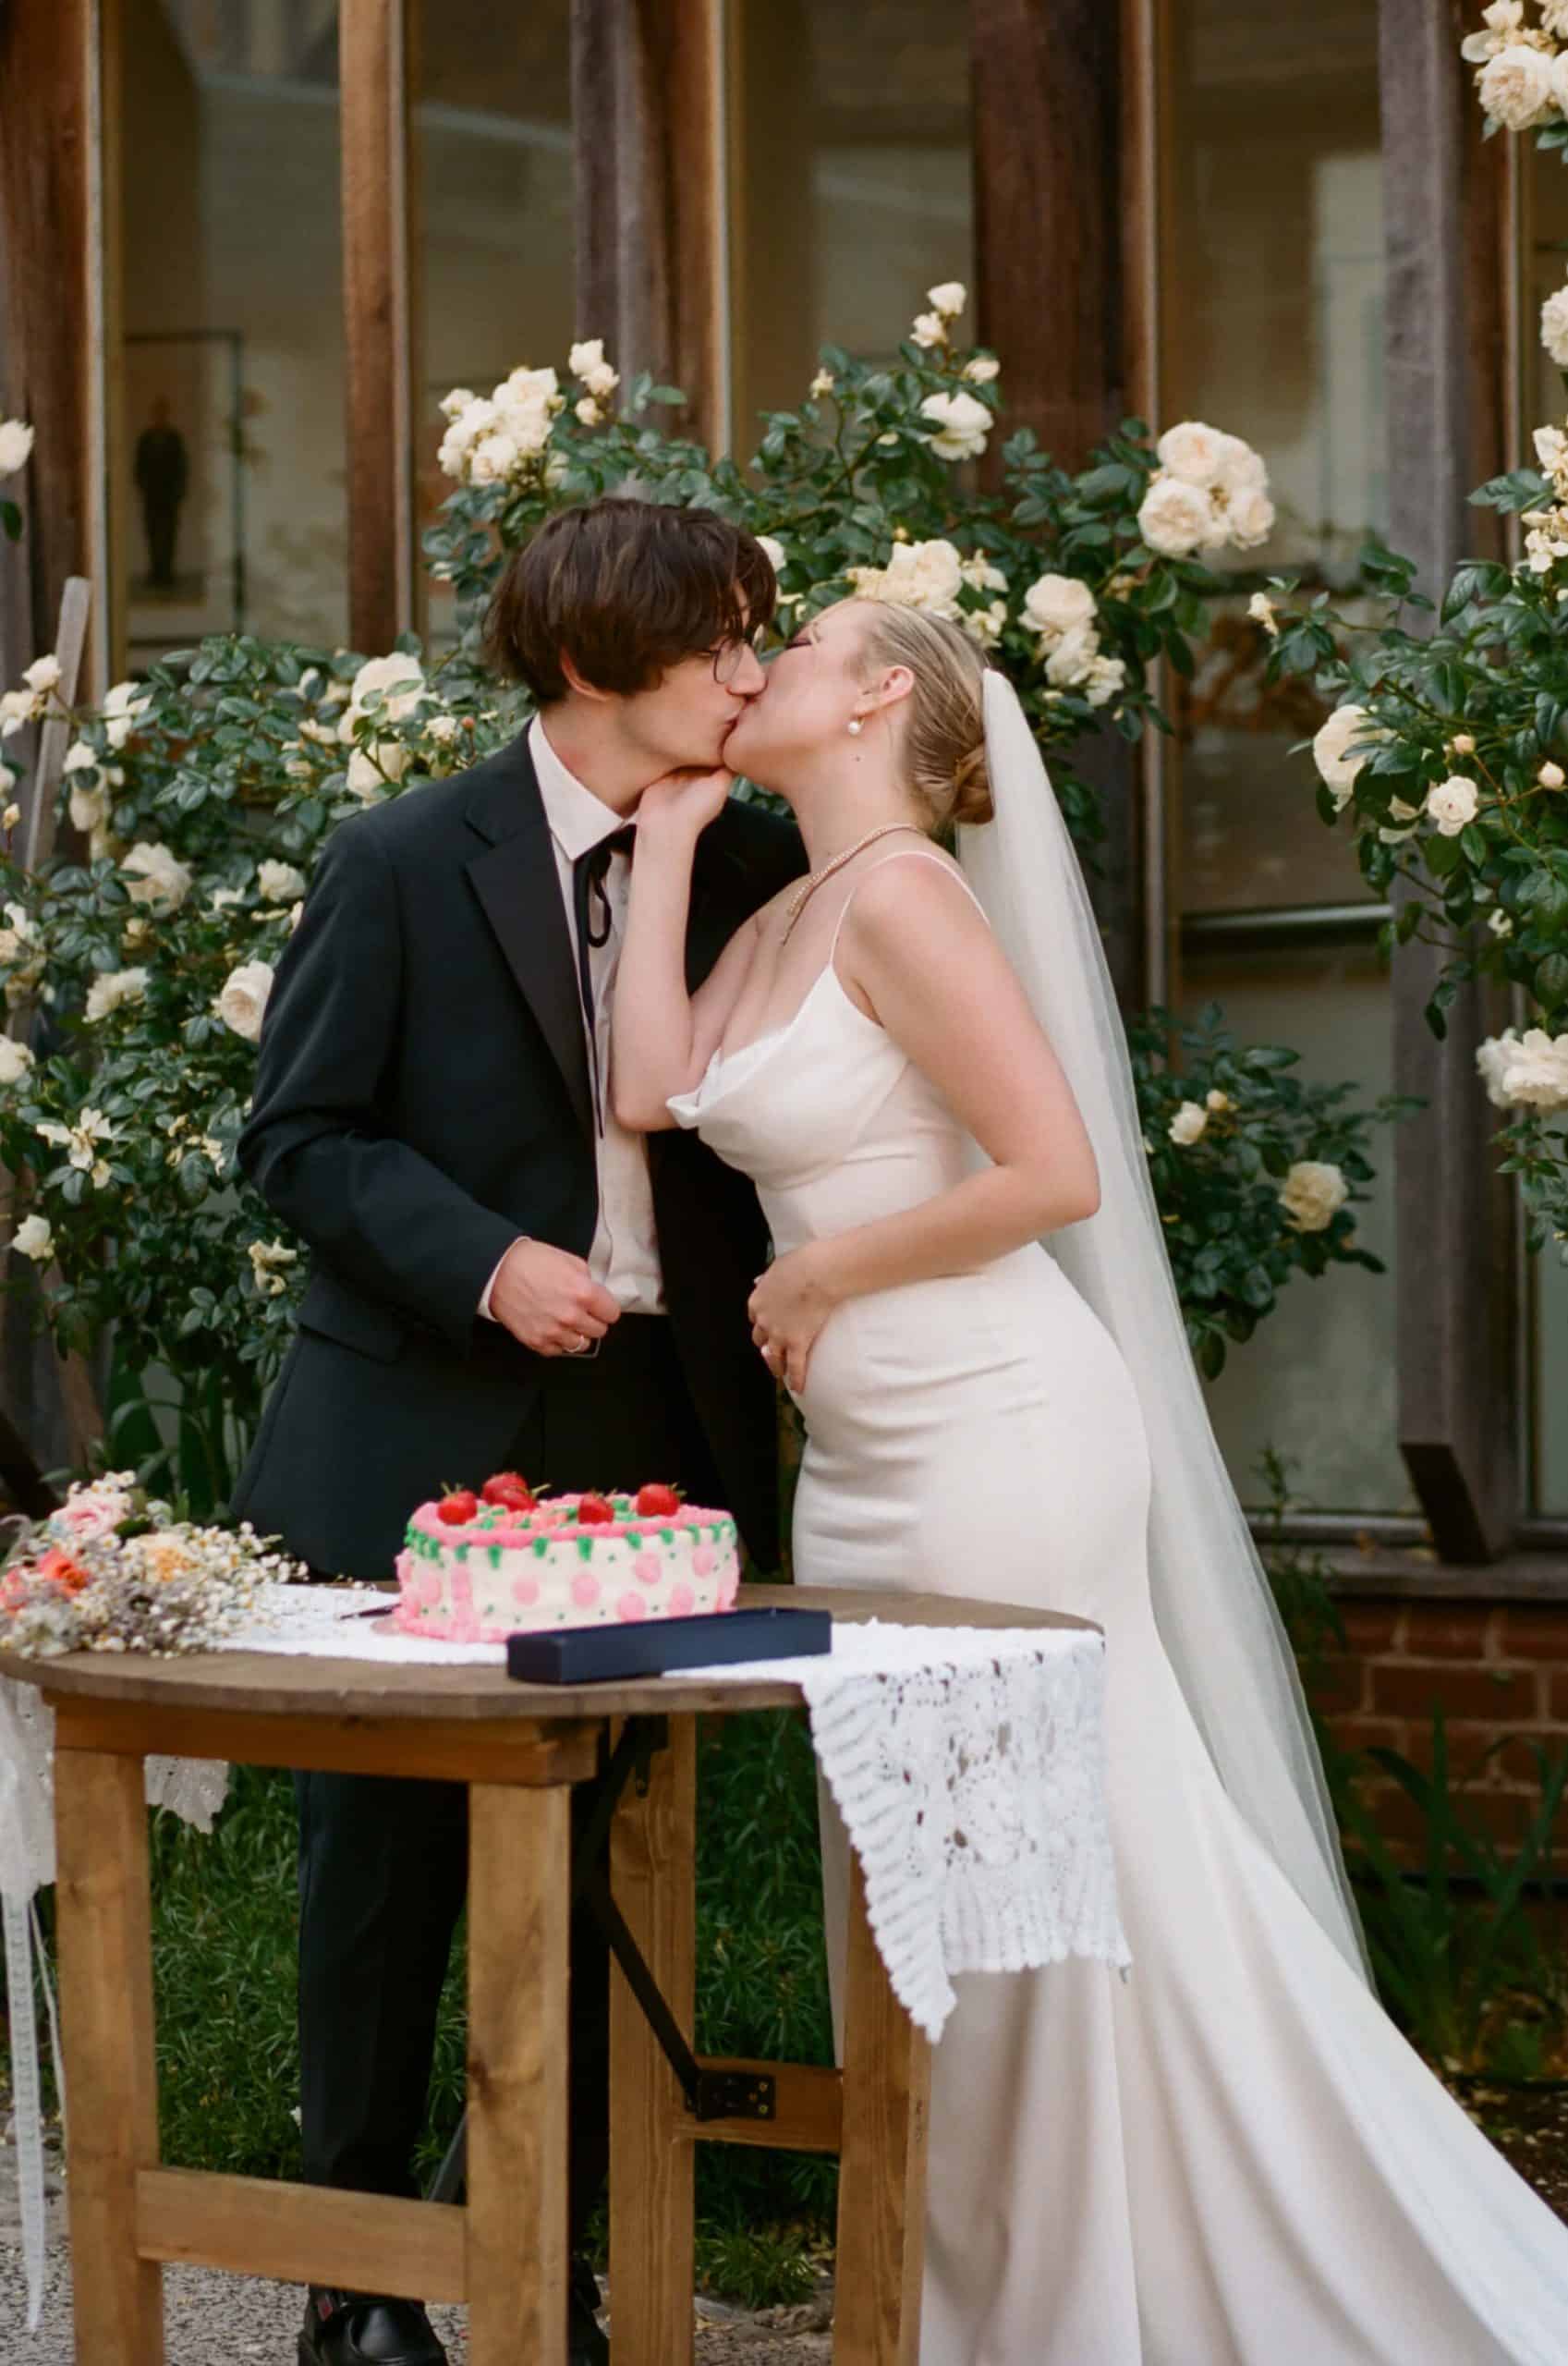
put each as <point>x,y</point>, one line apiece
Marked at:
<point>1232,2157</point>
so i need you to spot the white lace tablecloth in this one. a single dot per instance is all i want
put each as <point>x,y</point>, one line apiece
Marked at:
<point>968,1765</point>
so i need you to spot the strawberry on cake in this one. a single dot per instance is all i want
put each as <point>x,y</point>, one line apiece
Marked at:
<point>477,1568</point>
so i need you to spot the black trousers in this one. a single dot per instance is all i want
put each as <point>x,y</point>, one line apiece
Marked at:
<point>383,1862</point>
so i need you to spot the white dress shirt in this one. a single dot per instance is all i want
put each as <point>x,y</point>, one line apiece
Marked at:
<point>624,1252</point>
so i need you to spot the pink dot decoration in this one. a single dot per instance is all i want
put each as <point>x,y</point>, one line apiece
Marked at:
<point>525,1592</point>
<point>702,1561</point>
<point>427,1588</point>
<point>631,1606</point>
<point>683,1601</point>
<point>647,1567</point>
<point>585,1590</point>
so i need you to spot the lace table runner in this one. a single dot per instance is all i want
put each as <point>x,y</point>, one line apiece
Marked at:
<point>968,1765</point>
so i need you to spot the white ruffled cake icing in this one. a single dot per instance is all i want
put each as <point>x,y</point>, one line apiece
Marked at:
<point>507,1572</point>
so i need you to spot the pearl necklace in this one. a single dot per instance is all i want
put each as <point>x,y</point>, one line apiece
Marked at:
<point>809,888</point>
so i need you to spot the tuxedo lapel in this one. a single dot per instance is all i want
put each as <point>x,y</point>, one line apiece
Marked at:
<point>515,880</point>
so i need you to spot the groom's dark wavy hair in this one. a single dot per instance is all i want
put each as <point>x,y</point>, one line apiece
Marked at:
<point>625,589</point>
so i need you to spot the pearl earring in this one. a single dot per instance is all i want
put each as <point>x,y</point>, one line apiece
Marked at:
<point>856,725</point>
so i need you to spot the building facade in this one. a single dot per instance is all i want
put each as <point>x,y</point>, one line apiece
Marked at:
<point>248,244</point>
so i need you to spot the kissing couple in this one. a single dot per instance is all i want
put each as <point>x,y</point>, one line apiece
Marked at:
<point>608,1102</point>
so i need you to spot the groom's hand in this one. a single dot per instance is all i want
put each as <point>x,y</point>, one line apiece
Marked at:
<point>548,1298</point>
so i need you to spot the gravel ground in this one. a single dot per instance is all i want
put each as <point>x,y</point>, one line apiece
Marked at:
<point>259,2321</point>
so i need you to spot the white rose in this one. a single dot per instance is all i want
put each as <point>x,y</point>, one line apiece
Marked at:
<point>985,624</point>
<point>949,298</point>
<point>1453,804</point>
<point>123,709</point>
<point>822,383</point>
<point>16,442</point>
<point>14,1060</point>
<point>157,877</point>
<point>1502,19</point>
<point>42,676</point>
<point>399,678</point>
<point>982,369</point>
<point>530,386</point>
<point>112,989</point>
<point>776,551</point>
<point>442,729</point>
<point>1549,777</point>
<point>585,356</point>
<point>16,708</point>
<point>1260,608</point>
<point>1491,1060</point>
<point>454,405</point>
<point>1106,680</point>
<point>588,412</point>
<point>962,425</point>
<point>33,1239</point>
<point>1536,1071</point>
<point>81,758</point>
<point>1217,1101</point>
<point>369,773</point>
<point>279,882</point>
<point>1189,1123</point>
<point>1499,923</point>
<point>1057,605</point>
<point>1174,517</point>
<point>1072,659</point>
<point>1248,517</point>
<point>924,575</point>
<point>243,1000</point>
<point>1240,465</point>
<point>494,460</point>
<point>90,810</point>
<point>602,383</point>
<point>1517,88</point>
<point>1336,767</point>
<point>1312,1194</point>
<point>1555,328</point>
<point>1192,451</point>
<point>930,329</point>
<point>1552,448</point>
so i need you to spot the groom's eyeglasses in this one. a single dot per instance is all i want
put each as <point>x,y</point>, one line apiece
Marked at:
<point>730,654</point>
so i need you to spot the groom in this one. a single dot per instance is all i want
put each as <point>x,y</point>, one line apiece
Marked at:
<point>501,1277</point>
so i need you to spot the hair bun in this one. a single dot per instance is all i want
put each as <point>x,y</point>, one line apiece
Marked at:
<point>971,788</point>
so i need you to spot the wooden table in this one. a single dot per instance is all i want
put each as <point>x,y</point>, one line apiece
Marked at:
<point>518,1747</point>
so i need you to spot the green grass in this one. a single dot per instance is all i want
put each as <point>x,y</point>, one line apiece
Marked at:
<point>223,1962</point>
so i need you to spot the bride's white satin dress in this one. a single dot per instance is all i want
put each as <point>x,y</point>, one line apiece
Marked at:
<point>1232,2158</point>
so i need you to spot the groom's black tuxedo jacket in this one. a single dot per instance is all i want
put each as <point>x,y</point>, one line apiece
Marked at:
<point>421,1098</point>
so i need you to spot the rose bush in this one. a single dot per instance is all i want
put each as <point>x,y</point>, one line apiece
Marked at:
<point>137,966</point>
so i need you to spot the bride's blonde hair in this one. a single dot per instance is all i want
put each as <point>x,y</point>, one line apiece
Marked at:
<point>944,748</point>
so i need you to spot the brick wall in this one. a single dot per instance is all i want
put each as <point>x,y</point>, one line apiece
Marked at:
<point>1499,1673</point>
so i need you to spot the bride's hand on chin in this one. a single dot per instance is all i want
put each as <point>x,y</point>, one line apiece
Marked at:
<point>788,1306</point>
<point>686,801</point>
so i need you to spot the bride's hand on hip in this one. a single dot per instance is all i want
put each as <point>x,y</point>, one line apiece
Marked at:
<point>684,802</point>
<point>788,1306</point>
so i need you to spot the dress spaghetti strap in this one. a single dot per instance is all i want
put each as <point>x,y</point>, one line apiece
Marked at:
<point>907,854</point>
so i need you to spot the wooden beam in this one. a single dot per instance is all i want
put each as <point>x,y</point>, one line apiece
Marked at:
<point>104,1914</point>
<point>881,2185</point>
<point>500,1751</point>
<point>807,2115</point>
<point>648,116</point>
<point>1457,1294</point>
<point>50,346</point>
<point>652,1844</point>
<point>377,267</point>
<point>302,2234</point>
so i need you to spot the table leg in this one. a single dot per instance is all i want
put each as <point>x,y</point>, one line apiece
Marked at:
<point>881,2193</point>
<point>520,1880</point>
<point>105,1937</point>
<point>652,1876</point>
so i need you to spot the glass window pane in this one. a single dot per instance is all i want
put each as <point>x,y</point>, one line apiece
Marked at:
<point>849,183</point>
<point>494,170</point>
<point>231,477</point>
<point>1319,1381</point>
<point>1546,269</point>
<point>1272,329</point>
<point>1550,1378</point>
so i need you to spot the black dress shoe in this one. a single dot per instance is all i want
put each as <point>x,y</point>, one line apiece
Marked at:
<point>586,2345</point>
<point>361,2329</point>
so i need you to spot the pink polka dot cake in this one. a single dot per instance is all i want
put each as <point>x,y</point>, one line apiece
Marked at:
<point>477,1568</point>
